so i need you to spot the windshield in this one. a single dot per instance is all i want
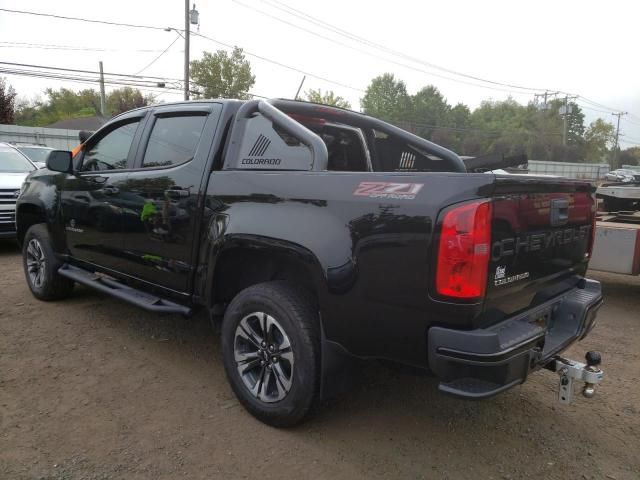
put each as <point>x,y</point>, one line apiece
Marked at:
<point>13,161</point>
<point>35,154</point>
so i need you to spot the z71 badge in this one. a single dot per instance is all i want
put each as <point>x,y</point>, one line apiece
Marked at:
<point>397,191</point>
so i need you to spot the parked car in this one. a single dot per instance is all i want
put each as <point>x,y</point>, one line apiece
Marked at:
<point>14,167</point>
<point>314,235</point>
<point>36,153</point>
<point>623,175</point>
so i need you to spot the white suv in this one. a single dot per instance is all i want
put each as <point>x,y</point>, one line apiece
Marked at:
<point>14,168</point>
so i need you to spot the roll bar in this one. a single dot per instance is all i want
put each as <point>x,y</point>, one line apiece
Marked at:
<point>319,154</point>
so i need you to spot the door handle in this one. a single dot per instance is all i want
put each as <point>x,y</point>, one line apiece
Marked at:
<point>177,192</point>
<point>110,190</point>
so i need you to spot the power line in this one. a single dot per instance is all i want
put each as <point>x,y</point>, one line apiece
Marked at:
<point>600,105</point>
<point>93,80</point>
<point>327,26</point>
<point>164,28</point>
<point>78,19</point>
<point>175,90</point>
<point>85,80</point>
<point>63,17</point>
<point>318,22</point>
<point>274,62</point>
<point>410,67</point>
<point>84,71</point>
<point>161,54</point>
<point>310,19</point>
<point>280,64</point>
<point>48,46</point>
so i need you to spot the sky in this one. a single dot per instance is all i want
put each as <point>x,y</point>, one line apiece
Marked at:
<point>579,47</point>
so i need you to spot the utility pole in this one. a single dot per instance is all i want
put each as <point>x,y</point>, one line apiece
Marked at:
<point>615,148</point>
<point>565,115</point>
<point>544,95</point>
<point>187,26</point>
<point>103,100</point>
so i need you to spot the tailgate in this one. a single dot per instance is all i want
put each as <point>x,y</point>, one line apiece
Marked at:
<point>541,240</point>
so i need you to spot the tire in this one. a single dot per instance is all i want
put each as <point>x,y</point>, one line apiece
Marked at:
<point>41,266</point>
<point>283,389</point>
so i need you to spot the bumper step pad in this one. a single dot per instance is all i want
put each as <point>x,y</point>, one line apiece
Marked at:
<point>483,362</point>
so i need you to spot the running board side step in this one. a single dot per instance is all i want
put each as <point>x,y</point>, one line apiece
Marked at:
<point>124,292</point>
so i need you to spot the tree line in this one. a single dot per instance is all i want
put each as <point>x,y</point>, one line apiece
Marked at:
<point>503,127</point>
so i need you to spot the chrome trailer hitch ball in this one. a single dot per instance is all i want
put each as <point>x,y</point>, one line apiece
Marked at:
<point>570,370</point>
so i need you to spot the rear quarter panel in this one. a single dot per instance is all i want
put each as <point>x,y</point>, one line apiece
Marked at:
<point>372,253</point>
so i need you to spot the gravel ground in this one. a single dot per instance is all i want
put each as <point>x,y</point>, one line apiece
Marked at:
<point>91,388</point>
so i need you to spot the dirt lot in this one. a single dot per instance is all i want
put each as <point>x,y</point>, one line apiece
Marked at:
<point>91,388</point>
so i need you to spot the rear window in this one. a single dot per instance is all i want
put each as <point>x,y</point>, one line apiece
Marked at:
<point>36,154</point>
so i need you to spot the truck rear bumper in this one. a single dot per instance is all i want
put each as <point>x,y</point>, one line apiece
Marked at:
<point>480,363</point>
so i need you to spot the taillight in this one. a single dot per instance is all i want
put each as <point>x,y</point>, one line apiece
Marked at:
<point>463,254</point>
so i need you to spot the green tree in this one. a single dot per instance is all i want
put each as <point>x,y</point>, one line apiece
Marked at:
<point>429,109</point>
<point>575,125</point>
<point>387,98</point>
<point>220,75</point>
<point>630,156</point>
<point>59,104</point>
<point>7,102</point>
<point>65,103</point>
<point>69,104</point>
<point>459,120</point>
<point>124,99</point>
<point>598,138</point>
<point>327,98</point>
<point>551,123</point>
<point>501,127</point>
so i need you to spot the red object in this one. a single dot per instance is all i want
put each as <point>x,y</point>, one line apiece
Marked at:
<point>463,254</point>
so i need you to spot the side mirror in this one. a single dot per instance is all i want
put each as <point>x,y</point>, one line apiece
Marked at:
<point>59,161</point>
<point>84,135</point>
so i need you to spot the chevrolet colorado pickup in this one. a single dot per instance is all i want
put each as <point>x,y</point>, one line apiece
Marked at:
<point>314,235</point>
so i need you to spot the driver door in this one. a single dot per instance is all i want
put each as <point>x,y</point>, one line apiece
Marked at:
<point>92,198</point>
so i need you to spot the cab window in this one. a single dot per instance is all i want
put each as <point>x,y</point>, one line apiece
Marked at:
<point>112,150</point>
<point>173,140</point>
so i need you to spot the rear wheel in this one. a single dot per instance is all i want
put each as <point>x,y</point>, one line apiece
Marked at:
<point>271,352</point>
<point>41,266</point>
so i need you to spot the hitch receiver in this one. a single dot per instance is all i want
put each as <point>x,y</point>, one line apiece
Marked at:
<point>570,370</point>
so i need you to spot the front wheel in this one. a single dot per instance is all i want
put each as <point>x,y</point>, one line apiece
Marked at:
<point>41,266</point>
<point>271,352</point>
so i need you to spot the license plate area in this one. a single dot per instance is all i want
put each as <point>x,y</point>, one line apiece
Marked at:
<point>542,318</point>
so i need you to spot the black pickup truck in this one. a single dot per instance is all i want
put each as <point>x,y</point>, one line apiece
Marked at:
<point>314,235</point>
